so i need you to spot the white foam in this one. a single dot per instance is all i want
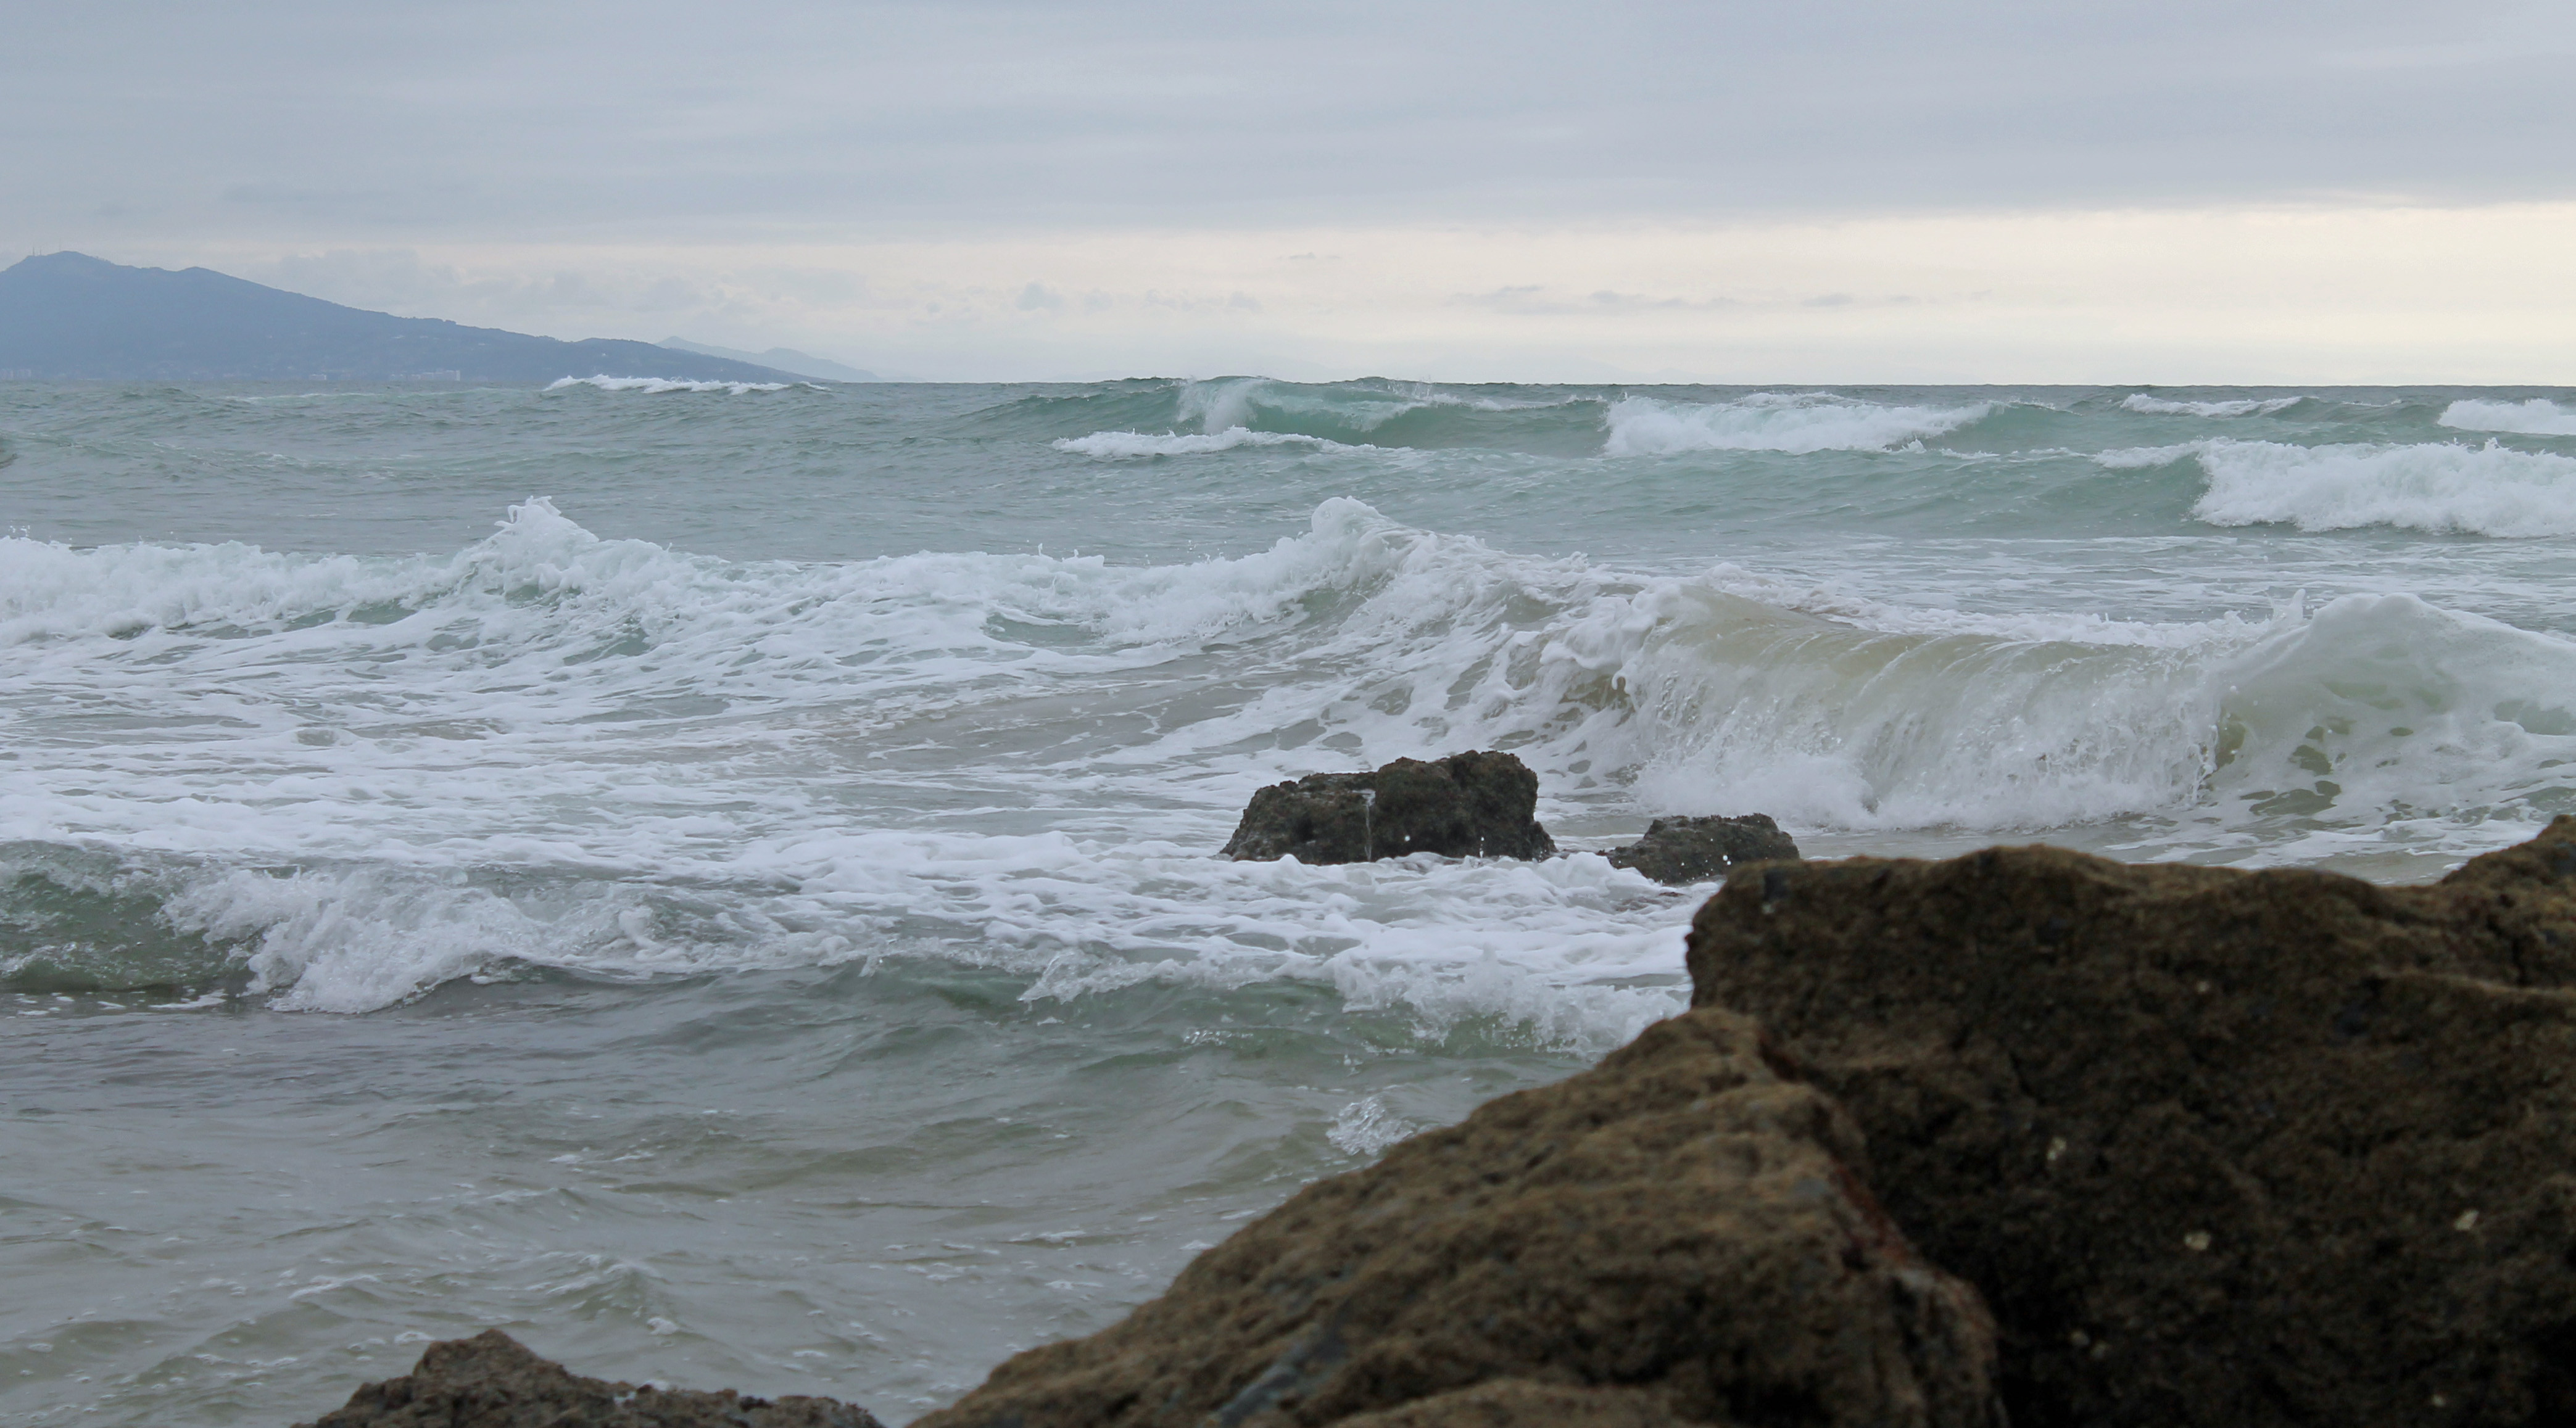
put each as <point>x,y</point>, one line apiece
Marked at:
<point>2407,707</point>
<point>2537,417</point>
<point>1365,1127</point>
<point>2437,486</point>
<point>367,776</point>
<point>602,715</point>
<point>353,941</point>
<point>1232,412</point>
<point>2140,458</point>
<point>1128,445</point>
<point>652,385</point>
<point>1794,422</point>
<point>1230,402</point>
<point>2245,406</point>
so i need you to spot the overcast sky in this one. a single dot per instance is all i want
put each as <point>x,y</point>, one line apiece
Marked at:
<point>1854,190</point>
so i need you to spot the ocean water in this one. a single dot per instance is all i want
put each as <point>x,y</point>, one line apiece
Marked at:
<point>719,880</point>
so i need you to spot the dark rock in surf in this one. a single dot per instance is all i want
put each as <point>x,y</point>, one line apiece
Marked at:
<point>1471,805</point>
<point>2221,1148</point>
<point>1677,1236</point>
<point>493,1381</point>
<point>1698,850</point>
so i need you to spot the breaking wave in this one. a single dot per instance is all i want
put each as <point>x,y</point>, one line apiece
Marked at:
<point>340,781</point>
<point>1229,413</point>
<point>2537,417</point>
<point>1115,445</point>
<point>667,384</point>
<point>2438,487</point>
<point>2245,406</point>
<point>1795,422</point>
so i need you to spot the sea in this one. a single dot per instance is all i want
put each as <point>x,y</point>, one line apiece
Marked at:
<point>721,880</point>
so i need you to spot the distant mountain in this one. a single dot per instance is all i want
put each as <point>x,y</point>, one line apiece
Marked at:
<point>785,359</point>
<point>68,315</point>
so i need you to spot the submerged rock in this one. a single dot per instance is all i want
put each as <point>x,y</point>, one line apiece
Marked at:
<point>493,1381</point>
<point>1472,805</point>
<point>1697,850</point>
<point>2221,1148</point>
<point>1677,1236</point>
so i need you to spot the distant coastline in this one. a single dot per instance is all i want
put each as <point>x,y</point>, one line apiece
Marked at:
<point>69,316</point>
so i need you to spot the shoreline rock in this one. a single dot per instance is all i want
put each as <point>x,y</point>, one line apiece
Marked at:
<point>1478,804</point>
<point>1679,1235</point>
<point>2220,1147</point>
<point>2179,1145</point>
<point>1680,851</point>
<point>494,1381</point>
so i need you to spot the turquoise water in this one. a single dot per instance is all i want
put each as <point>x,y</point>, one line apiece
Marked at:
<point>719,880</point>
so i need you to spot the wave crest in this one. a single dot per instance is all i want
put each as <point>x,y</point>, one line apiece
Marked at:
<point>1130,445</point>
<point>2537,417</point>
<point>615,759</point>
<point>2439,487</point>
<point>2249,406</point>
<point>655,385</point>
<point>1798,423</point>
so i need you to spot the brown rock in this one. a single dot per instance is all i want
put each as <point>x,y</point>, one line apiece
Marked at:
<point>2220,1147</point>
<point>1473,805</point>
<point>1678,1236</point>
<point>1697,850</point>
<point>493,1381</point>
<point>1526,1403</point>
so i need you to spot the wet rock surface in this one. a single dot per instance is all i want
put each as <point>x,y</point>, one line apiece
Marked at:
<point>493,1381</point>
<point>1679,1235</point>
<point>1698,850</point>
<point>2221,1148</point>
<point>1473,805</point>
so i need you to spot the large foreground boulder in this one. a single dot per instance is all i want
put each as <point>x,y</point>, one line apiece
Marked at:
<point>1471,805</point>
<point>1678,1236</point>
<point>1698,850</point>
<point>493,1381</point>
<point>2222,1148</point>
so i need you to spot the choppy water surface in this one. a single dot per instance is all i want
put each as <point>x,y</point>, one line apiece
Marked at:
<point>718,879</point>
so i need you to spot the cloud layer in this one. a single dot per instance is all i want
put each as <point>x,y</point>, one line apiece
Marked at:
<point>458,120</point>
<point>645,165</point>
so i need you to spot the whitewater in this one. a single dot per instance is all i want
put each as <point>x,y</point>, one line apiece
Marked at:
<point>719,878</point>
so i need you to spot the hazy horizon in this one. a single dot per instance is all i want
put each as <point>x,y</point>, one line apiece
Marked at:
<point>1857,192</point>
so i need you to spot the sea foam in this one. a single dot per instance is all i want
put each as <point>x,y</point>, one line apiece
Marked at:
<point>352,779</point>
<point>2438,486</point>
<point>2245,406</point>
<point>1774,421</point>
<point>656,385</point>
<point>1128,445</point>
<point>2537,417</point>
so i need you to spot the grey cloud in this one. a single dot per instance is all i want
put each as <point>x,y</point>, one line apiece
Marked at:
<point>1534,300</point>
<point>476,121</point>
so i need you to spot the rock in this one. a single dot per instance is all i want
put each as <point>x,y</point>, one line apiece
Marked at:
<point>2220,1147</point>
<point>1697,850</point>
<point>492,1381</point>
<point>1526,1403</point>
<point>1677,1236</point>
<point>1470,805</point>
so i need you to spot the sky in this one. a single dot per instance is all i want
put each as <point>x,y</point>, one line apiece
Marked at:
<point>1836,191</point>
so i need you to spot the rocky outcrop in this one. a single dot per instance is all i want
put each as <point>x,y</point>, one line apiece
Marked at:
<point>1678,1236</point>
<point>1470,805</point>
<point>2221,1148</point>
<point>492,1381</point>
<point>1699,850</point>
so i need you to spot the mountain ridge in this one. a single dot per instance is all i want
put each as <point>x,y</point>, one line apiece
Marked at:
<point>69,316</point>
<point>785,359</point>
